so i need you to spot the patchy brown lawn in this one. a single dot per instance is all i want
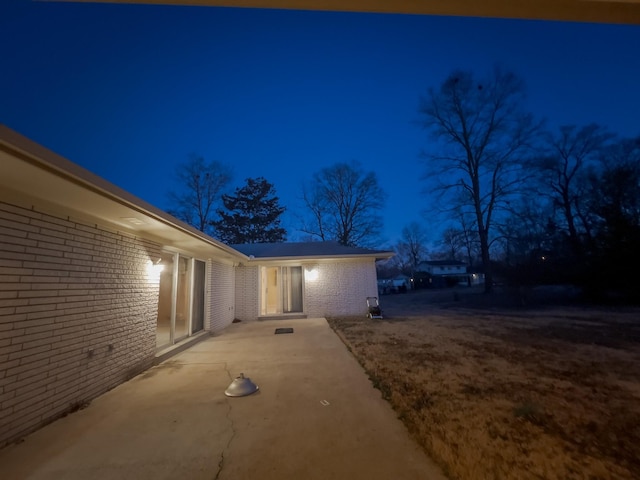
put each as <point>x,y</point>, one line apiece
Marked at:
<point>504,392</point>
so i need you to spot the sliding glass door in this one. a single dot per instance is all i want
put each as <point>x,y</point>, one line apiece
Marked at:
<point>197,310</point>
<point>181,298</point>
<point>281,290</point>
<point>183,295</point>
<point>291,289</point>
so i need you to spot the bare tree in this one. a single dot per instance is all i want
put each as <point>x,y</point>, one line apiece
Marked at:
<point>343,203</point>
<point>452,243</point>
<point>483,133</point>
<point>526,231</point>
<point>398,264</point>
<point>614,206</point>
<point>563,173</point>
<point>201,187</point>
<point>412,246</point>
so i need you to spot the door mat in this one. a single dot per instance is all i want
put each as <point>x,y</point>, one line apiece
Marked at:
<point>284,330</point>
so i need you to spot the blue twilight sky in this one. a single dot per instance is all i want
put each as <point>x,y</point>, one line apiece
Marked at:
<point>129,91</point>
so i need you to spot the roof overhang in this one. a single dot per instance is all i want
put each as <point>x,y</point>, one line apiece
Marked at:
<point>595,11</point>
<point>32,176</point>
<point>289,260</point>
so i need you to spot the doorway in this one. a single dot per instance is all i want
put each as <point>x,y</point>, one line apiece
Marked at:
<point>281,290</point>
<point>197,310</point>
<point>181,298</point>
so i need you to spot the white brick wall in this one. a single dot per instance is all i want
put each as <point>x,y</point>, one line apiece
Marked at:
<point>247,292</point>
<point>341,288</point>
<point>221,296</point>
<point>77,315</point>
<point>78,310</point>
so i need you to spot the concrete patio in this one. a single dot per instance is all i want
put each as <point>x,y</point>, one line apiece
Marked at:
<point>315,416</point>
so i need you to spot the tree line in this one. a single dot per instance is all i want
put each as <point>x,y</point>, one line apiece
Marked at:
<point>530,204</point>
<point>522,202</point>
<point>342,203</point>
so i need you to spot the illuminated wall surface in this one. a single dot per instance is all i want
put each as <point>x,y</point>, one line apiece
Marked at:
<point>78,315</point>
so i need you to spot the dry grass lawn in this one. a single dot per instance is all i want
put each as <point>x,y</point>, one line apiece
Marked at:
<point>544,392</point>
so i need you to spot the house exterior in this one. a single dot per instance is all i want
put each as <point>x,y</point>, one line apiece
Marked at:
<point>442,267</point>
<point>441,273</point>
<point>97,285</point>
<point>308,279</point>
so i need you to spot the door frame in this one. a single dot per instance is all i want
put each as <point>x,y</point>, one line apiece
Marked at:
<point>263,284</point>
<point>191,259</point>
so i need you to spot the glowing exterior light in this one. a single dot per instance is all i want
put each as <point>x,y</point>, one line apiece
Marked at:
<point>153,271</point>
<point>312,274</point>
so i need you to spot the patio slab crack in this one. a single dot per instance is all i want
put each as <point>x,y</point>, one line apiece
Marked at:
<point>233,430</point>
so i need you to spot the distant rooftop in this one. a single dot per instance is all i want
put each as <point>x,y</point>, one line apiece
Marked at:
<point>306,250</point>
<point>443,262</point>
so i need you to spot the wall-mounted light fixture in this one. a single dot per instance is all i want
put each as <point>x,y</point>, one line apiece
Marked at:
<point>312,275</point>
<point>154,269</point>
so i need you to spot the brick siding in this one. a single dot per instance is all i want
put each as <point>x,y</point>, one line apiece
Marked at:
<point>341,288</point>
<point>78,315</point>
<point>221,295</point>
<point>79,306</point>
<point>247,293</point>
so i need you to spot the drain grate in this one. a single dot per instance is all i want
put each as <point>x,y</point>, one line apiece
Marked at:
<point>284,330</point>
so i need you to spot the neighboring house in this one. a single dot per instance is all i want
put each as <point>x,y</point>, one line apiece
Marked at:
<point>97,285</point>
<point>441,273</point>
<point>476,276</point>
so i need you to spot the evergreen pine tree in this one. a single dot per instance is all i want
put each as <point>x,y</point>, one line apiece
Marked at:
<point>251,215</point>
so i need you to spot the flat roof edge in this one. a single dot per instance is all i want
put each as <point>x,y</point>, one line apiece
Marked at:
<point>42,157</point>
<point>377,256</point>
